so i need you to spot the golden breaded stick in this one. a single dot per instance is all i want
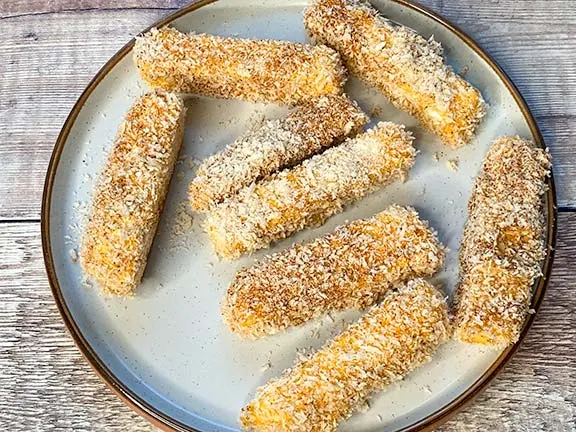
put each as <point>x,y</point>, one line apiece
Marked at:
<point>387,343</point>
<point>407,68</point>
<point>130,194</point>
<point>348,269</point>
<point>309,193</point>
<point>252,70</point>
<point>277,144</point>
<point>503,244</point>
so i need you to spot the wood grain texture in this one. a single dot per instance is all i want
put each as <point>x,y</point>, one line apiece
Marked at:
<point>531,39</point>
<point>47,385</point>
<point>17,8</point>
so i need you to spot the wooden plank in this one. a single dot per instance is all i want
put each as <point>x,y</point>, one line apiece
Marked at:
<point>16,8</point>
<point>46,384</point>
<point>532,39</point>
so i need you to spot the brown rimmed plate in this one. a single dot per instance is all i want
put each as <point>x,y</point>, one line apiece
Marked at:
<point>166,352</point>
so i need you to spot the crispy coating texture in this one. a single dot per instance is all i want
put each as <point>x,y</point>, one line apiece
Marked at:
<point>276,144</point>
<point>130,194</point>
<point>252,70</point>
<point>351,268</point>
<point>309,193</point>
<point>503,244</point>
<point>387,343</point>
<point>407,68</point>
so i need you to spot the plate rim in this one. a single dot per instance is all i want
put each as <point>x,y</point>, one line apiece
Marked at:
<point>169,424</point>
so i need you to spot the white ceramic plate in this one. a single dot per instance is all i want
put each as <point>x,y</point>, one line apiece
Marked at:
<point>166,351</point>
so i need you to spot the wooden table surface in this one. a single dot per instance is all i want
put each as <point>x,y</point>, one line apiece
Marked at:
<point>50,49</point>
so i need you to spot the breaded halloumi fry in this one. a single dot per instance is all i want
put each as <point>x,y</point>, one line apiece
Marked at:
<point>130,193</point>
<point>276,144</point>
<point>407,68</point>
<point>231,68</point>
<point>351,268</point>
<point>388,342</point>
<point>503,244</point>
<point>309,193</point>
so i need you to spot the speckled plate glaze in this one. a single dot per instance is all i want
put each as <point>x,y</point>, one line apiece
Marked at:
<point>166,351</point>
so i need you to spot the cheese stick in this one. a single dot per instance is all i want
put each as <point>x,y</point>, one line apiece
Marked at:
<point>387,343</point>
<point>130,194</point>
<point>252,70</point>
<point>503,244</point>
<point>407,68</point>
<point>350,268</point>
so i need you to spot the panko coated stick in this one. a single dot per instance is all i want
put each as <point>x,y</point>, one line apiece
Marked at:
<point>276,144</point>
<point>503,244</point>
<point>388,342</point>
<point>309,193</point>
<point>231,68</point>
<point>351,268</point>
<point>407,68</point>
<point>130,193</point>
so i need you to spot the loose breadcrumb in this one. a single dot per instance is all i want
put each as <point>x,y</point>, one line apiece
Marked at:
<point>73,255</point>
<point>252,70</point>
<point>130,194</point>
<point>387,343</point>
<point>309,193</point>
<point>350,268</point>
<point>452,164</point>
<point>407,68</point>
<point>275,144</point>
<point>376,111</point>
<point>183,222</point>
<point>503,244</point>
